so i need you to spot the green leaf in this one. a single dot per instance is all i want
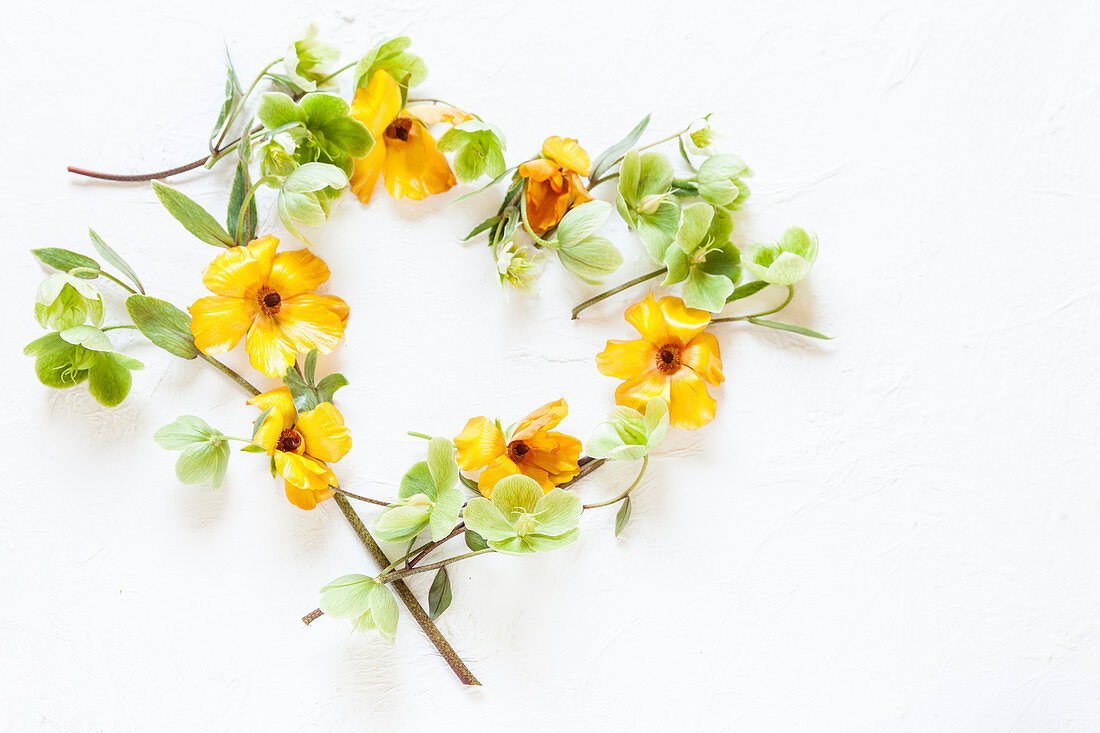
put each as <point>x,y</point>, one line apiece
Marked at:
<point>789,327</point>
<point>469,483</point>
<point>259,421</point>
<point>607,158</point>
<point>193,217</point>
<point>327,387</point>
<point>164,324</point>
<point>115,259</point>
<point>310,368</point>
<point>253,448</point>
<point>622,516</point>
<point>305,398</point>
<point>241,183</point>
<point>233,94</point>
<point>66,260</point>
<point>439,595</point>
<point>475,541</point>
<point>744,291</point>
<point>483,226</point>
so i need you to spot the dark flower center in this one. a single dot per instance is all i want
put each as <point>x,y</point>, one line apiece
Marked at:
<point>517,449</point>
<point>399,129</point>
<point>269,301</point>
<point>289,441</point>
<point>668,359</point>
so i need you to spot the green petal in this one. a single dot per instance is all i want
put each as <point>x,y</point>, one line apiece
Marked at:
<point>514,493</point>
<point>444,515</point>
<point>418,480</point>
<point>694,223</point>
<point>484,518</point>
<point>441,464</point>
<point>542,543</point>
<point>183,431</point>
<point>558,512</point>
<point>348,596</point>
<point>706,291</point>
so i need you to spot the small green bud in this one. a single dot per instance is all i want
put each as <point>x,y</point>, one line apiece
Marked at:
<point>63,301</point>
<point>785,262</point>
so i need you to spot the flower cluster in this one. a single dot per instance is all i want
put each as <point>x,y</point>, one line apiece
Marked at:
<point>503,489</point>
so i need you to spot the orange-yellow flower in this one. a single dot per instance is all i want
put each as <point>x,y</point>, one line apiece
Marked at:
<point>269,297</point>
<point>301,445</point>
<point>674,360</point>
<point>531,449</point>
<point>554,182</point>
<point>404,152</point>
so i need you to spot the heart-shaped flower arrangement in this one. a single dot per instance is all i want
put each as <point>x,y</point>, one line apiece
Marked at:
<point>504,489</point>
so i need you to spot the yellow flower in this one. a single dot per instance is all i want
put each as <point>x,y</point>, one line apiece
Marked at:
<point>269,297</point>
<point>554,182</point>
<point>673,360</point>
<point>404,151</point>
<point>301,445</point>
<point>532,450</point>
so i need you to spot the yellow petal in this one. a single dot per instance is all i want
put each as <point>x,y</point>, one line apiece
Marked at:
<point>414,168</point>
<point>625,359</point>
<point>496,470</point>
<point>296,272</point>
<point>268,349</point>
<point>282,416</point>
<point>566,152</point>
<point>218,322</point>
<point>702,355</point>
<point>304,498</point>
<point>337,306</point>
<point>431,114</point>
<point>544,418</point>
<point>547,203</point>
<point>479,443</point>
<point>689,405</point>
<point>324,432</point>
<point>637,391</point>
<point>560,462</point>
<point>240,272</point>
<point>539,169</point>
<point>304,472</point>
<point>375,105</point>
<point>308,322</point>
<point>681,322</point>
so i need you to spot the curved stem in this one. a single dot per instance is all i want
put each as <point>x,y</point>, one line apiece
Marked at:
<point>367,499</point>
<point>124,325</point>
<point>248,386</point>
<point>240,105</point>
<point>592,183</point>
<point>620,497</point>
<point>425,549</point>
<point>781,306</point>
<point>617,289</point>
<point>109,276</point>
<point>339,71</point>
<point>426,624</point>
<point>244,204</point>
<point>586,467</point>
<point>312,616</point>
<point>396,575</point>
<point>137,177</point>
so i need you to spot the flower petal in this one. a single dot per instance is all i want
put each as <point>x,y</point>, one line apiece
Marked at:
<point>218,322</point>
<point>296,272</point>
<point>304,498</point>
<point>282,416</point>
<point>539,169</point>
<point>689,405</point>
<point>305,473</point>
<point>414,168</point>
<point>479,443</point>
<point>268,349</point>
<point>637,391</point>
<point>240,272</point>
<point>560,463</point>
<point>547,203</point>
<point>625,359</point>
<point>703,355</point>
<point>324,433</point>
<point>376,105</point>
<point>681,322</point>
<point>308,322</point>
<point>431,114</point>
<point>498,469</point>
<point>567,153</point>
<point>544,418</point>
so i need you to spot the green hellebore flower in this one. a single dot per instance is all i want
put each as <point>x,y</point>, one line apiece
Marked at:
<point>721,181</point>
<point>785,262</point>
<point>703,257</point>
<point>321,127</point>
<point>478,148</point>
<point>308,62</point>
<point>407,69</point>
<point>429,497</point>
<point>63,301</point>
<point>628,435</point>
<point>515,266</point>
<point>645,201</point>
<point>81,353</point>
<point>520,519</point>
<point>205,451</point>
<point>699,137</point>
<point>368,603</point>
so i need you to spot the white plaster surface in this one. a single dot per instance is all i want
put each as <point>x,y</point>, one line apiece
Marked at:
<point>896,530</point>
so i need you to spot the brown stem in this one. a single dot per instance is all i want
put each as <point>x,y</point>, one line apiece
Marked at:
<point>588,465</point>
<point>459,529</point>
<point>312,616</point>
<point>441,644</point>
<point>394,576</point>
<point>139,176</point>
<point>367,499</point>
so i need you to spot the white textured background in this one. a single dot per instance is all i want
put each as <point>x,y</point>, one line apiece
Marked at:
<point>897,530</point>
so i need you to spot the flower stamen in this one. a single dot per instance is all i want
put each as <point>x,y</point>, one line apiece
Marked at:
<point>289,441</point>
<point>668,359</point>
<point>270,301</point>
<point>399,129</point>
<point>517,449</point>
